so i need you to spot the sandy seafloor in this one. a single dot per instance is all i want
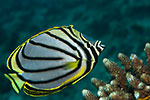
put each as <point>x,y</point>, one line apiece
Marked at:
<point>122,25</point>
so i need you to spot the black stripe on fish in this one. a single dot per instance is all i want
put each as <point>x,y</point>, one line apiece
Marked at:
<point>88,45</point>
<point>94,53</point>
<point>49,47</point>
<point>79,65</point>
<point>14,83</point>
<point>37,70</point>
<point>72,31</point>
<point>10,58</point>
<point>88,55</point>
<point>51,80</point>
<point>42,70</point>
<point>35,92</point>
<point>66,42</point>
<point>77,42</point>
<point>60,39</point>
<point>98,48</point>
<point>38,58</point>
<point>39,92</point>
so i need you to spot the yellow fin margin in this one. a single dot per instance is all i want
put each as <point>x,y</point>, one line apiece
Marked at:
<point>16,82</point>
<point>35,92</point>
<point>16,50</point>
<point>56,27</point>
<point>85,74</point>
<point>15,67</point>
<point>29,90</point>
<point>11,56</point>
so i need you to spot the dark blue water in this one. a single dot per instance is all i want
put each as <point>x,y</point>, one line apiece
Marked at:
<point>122,25</point>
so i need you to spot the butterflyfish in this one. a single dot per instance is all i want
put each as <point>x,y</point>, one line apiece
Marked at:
<point>51,60</point>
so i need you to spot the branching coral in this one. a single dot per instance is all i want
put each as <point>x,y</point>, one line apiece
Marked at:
<point>130,83</point>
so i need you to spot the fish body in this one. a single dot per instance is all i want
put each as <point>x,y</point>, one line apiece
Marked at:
<point>51,60</point>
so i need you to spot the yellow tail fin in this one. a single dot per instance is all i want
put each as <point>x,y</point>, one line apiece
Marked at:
<point>16,82</point>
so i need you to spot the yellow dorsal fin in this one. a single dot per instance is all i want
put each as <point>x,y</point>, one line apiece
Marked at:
<point>16,82</point>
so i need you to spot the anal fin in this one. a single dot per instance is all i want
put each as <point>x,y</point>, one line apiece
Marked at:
<point>35,92</point>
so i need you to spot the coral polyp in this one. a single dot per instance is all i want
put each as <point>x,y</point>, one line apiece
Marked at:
<point>130,83</point>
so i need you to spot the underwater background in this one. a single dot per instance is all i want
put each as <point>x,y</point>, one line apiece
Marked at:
<point>121,25</point>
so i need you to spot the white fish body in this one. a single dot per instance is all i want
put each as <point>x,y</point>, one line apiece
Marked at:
<point>51,60</point>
